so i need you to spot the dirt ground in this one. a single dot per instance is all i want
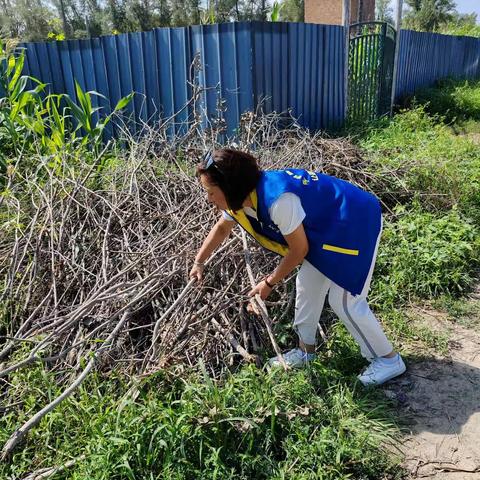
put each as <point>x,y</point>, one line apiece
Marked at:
<point>439,398</point>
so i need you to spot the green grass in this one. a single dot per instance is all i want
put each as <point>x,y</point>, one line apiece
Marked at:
<point>408,334</point>
<point>425,255</point>
<point>429,163</point>
<point>430,248</point>
<point>454,100</point>
<point>459,310</point>
<point>311,424</point>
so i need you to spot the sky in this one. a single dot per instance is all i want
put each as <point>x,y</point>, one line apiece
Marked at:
<point>469,6</point>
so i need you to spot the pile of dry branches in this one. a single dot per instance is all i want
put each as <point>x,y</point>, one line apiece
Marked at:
<point>95,262</point>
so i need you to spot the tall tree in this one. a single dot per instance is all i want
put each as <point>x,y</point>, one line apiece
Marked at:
<point>60,5</point>
<point>180,15</point>
<point>26,20</point>
<point>384,11</point>
<point>428,15</point>
<point>462,24</point>
<point>292,11</point>
<point>194,9</point>
<point>164,15</point>
<point>141,15</point>
<point>250,10</point>
<point>117,10</point>
<point>10,22</point>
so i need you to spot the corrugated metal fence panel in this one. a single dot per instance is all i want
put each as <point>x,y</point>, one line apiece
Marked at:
<point>427,57</point>
<point>180,62</point>
<point>245,67</point>
<point>211,67</point>
<point>267,55</point>
<point>300,66</point>
<point>225,53</point>
<point>283,65</point>
<point>230,84</point>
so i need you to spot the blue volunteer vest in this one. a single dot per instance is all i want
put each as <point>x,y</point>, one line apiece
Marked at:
<point>342,223</point>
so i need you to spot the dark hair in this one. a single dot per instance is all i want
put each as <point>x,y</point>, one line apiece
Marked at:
<point>236,173</point>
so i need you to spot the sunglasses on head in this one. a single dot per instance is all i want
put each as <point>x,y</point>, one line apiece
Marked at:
<point>210,162</point>
<point>208,159</point>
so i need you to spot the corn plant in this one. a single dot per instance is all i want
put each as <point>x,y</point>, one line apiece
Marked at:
<point>18,105</point>
<point>275,14</point>
<point>83,115</point>
<point>31,119</point>
<point>208,16</point>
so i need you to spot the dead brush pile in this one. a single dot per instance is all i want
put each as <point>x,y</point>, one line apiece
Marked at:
<point>94,262</point>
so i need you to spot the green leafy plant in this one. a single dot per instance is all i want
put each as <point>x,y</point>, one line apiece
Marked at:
<point>208,16</point>
<point>20,117</point>
<point>83,115</point>
<point>433,165</point>
<point>275,13</point>
<point>252,425</point>
<point>453,99</point>
<point>31,119</point>
<point>424,255</point>
<point>56,36</point>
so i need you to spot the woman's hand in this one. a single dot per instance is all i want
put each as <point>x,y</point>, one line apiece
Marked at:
<point>196,273</point>
<point>217,235</point>
<point>261,289</point>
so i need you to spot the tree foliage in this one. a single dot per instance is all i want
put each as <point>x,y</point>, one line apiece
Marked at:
<point>292,11</point>
<point>37,20</point>
<point>439,16</point>
<point>428,15</point>
<point>384,11</point>
<point>462,24</point>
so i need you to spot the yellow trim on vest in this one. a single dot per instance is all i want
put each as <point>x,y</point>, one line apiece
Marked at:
<point>254,199</point>
<point>346,251</point>
<point>243,221</point>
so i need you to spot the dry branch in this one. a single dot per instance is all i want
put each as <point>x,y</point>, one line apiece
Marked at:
<point>49,471</point>
<point>89,246</point>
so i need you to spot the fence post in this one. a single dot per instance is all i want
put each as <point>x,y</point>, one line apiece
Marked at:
<point>346,26</point>
<point>398,26</point>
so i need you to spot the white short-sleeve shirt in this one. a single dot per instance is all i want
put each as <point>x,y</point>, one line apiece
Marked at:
<point>286,213</point>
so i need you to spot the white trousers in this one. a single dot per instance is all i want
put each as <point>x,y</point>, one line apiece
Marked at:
<point>353,311</point>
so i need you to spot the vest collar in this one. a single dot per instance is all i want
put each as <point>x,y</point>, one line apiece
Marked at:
<point>241,218</point>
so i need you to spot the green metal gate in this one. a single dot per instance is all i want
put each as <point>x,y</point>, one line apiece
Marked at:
<point>370,69</point>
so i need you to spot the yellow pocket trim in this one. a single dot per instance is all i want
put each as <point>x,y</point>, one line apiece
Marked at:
<point>346,251</point>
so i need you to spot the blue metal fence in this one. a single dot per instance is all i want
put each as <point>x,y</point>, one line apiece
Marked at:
<point>427,57</point>
<point>293,66</point>
<point>285,65</point>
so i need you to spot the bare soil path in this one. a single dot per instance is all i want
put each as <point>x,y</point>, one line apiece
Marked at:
<point>439,397</point>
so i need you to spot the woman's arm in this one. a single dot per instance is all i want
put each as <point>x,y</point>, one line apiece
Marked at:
<point>298,248</point>
<point>220,231</point>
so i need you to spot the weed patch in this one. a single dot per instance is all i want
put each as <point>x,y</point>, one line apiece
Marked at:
<point>420,159</point>
<point>254,424</point>
<point>460,310</point>
<point>455,101</point>
<point>425,255</point>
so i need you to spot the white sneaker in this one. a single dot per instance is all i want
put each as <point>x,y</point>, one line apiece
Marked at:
<point>379,372</point>
<point>293,358</point>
